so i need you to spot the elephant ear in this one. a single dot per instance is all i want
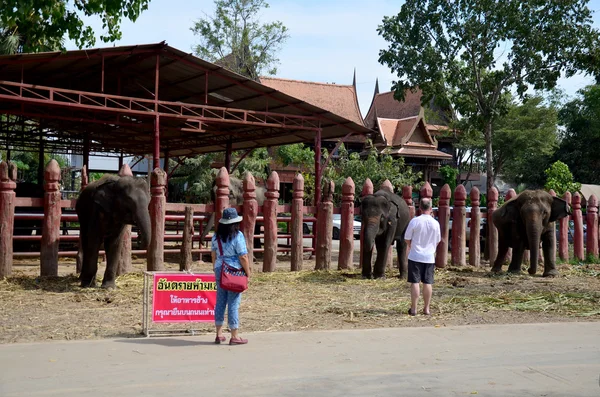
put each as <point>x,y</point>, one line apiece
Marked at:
<point>559,210</point>
<point>103,198</point>
<point>509,212</point>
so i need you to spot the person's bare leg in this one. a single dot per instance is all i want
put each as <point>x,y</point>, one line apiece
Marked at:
<point>427,292</point>
<point>219,330</point>
<point>234,333</point>
<point>415,291</point>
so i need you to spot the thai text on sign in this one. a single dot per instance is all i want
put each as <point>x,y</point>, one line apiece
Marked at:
<point>184,298</point>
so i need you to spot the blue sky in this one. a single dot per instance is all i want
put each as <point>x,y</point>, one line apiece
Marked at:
<point>328,38</point>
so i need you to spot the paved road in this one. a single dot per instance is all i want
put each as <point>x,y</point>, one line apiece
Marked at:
<point>508,360</point>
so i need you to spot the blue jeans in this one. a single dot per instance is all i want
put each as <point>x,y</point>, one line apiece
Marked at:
<point>228,299</point>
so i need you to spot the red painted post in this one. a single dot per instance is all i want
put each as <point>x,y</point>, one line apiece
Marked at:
<point>346,254</point>
<point>185,259</point>
<point>407,196</point>
<point>7,217</point>
<point>366,190</point>
<point>84,177</point>
<point>325,224</point>
<point>474,234</point>
<point>250,212</point>
<point>578,224</point>
<point>124,265</point>
<point>509,196</point>
<point>51,222</point>
<point>157,220</point>
<point>297,218</point>
<point>387,185</point>
<point>425,192</point>
<point>592,226</point>
<point>492,238</point>
<point>459,224</point>
<point>563,234</point>
<point>270,215</point>
<point>441,258</point>
<point>222,199</point>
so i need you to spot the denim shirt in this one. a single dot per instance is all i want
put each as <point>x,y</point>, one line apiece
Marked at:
<point>232,250</point>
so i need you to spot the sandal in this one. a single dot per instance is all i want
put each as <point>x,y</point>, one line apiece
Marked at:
<point>219,339</point>
<point>426,313</point>
<point>411,313</point>
<point>238,341</point>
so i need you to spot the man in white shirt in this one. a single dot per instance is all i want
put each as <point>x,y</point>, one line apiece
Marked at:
<point>422,238</point>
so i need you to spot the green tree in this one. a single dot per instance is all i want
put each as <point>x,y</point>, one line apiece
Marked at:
<point>449,175</point>
<point>524,141</point>
<point>560,179</point>
<point>237,40</point>
<point>470,53</point>
<point>580,139</point>
<point>42,25</point>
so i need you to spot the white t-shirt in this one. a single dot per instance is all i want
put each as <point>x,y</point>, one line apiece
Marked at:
<point>424,234</point>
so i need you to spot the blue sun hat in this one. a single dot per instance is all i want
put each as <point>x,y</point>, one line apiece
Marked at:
<point>230,216</point>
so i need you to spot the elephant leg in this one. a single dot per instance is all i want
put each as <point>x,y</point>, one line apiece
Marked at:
<point>502,251</point>
<point>549,248</point>
<point>366,260</point>
<point>257,243</point>
<point>112,245</point>
<point>382,243</point>
<point>517,258</point>
<point>90,242</point>
<point>402,258</point>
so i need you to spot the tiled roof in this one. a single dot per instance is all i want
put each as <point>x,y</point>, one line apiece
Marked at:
<point>421,153</point>
<point>339,99</point>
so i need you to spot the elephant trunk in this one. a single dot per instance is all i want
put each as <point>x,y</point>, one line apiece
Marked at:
<point>370,228</point>
<point>534,233</point>
<point>142,220</point>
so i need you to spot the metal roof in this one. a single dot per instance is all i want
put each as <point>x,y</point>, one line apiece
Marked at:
<point>108,95</point>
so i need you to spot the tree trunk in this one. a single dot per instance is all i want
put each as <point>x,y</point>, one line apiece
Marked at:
<point>488,155</point>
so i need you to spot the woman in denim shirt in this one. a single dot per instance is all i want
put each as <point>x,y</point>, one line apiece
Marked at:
<point>235,254</point>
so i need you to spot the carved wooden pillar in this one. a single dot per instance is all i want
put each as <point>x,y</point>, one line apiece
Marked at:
<point>563,234</point>
<point>387,185</point>
<point>578,224</point>
<point>51,222</point>
<point>346,254</point>
<point>459,217</point>
<point>474,234</point>
<point>509,196</point>
<point>366,190</point>
<point>157,220</point>
<point>425,193</point>
<point>592,226</point>
<point>325,224</point>
<point>492,240</point>
<point>407,196</point>
<point>441,257</point>
<point>84,177</point>
<point>250,213</point>
<point>270,215</point>
<point>124,265</point>
<point>222,199</point>
<point>7,217</point>
<point>297,223</point>
<point>185,260</point>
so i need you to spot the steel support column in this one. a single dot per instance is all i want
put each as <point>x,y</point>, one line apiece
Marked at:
<point>86,151</point>
<point>228,156</point>
<point>318,168</point>
<point>40,177</point>
<point>156,154</point>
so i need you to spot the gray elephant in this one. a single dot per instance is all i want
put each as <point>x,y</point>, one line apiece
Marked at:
<point>522,223</point>
<point>385,216</point>
<point>104,207</point>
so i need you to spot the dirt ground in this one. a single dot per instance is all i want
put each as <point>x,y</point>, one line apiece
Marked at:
<point>34,309</point>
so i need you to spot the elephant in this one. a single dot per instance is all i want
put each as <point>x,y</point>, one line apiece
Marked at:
<point>522,223</point>
<point>26,227</point>
<point>236,197</point>
<point>385,217</point>
<point>104,207</point>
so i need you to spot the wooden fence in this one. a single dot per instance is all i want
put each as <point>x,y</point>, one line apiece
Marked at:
<point>166,219</point>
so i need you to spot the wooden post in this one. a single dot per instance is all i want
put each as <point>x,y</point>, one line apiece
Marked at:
<point>297,224</point>
<point>366,190</point>
<point>325,224</point>
<point>563,234</point>
<point>84,177</point>
<point>492,240</point>
<point>51,222</point>
<point>270,215</point>
<point>124,265</point>
<point>509,196</point>
<point>346,255</point>
<point>157,220</point>
<point>425,192</point>
<point>387,185</point>
<point>250,212</point>
<point>441,257</point>
<point>185,260</point>
<point>475,229</point>
<point>578,224</point>
<point>407,196</point>
<point>592,226</point>
<point>459,217</point>
<point>7,217</point>
<point>222,199</point>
